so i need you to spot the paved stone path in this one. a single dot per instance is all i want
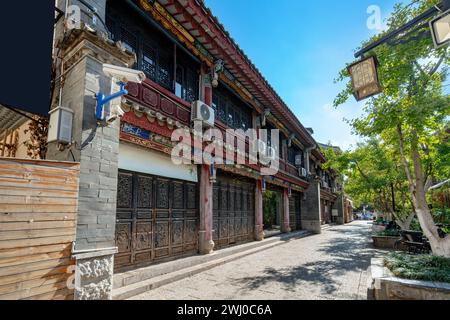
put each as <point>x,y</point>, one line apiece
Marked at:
<point>332,265</point>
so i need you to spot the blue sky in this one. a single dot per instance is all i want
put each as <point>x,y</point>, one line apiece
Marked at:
<point>300,46</point>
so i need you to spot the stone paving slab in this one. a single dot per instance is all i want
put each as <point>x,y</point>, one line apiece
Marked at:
<point>332,265</point>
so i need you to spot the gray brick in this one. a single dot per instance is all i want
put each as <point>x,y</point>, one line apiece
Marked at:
<point>109,219</point>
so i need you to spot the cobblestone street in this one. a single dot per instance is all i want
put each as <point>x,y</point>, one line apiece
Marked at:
<point>332,265</point>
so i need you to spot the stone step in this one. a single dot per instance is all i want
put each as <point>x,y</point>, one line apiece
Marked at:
<point>327,226</point>
<point>132,283</point>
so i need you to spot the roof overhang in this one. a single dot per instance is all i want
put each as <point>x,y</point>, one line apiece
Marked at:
<point>209,35</point>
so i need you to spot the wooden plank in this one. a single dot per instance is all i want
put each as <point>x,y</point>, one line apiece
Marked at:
<point>36,225</point>
<point>37,216</point>
<point>35,192</point>
<point>27,293</point>
<point>9,244</point>
<point>49,264</point>
<point>9,209</point>
<point>36,184</point>
<point>32,234</point>
<point>60,176</point>
<point>18,261</point>
<point>42,163</point>
<point>30,275</point>
<point>28,171</point>
<point>26,200</point>
<point>25,285</point>
<point>14,164</point>
<point>28,251</point>
<point>63,294</point>
<point>38,207</point>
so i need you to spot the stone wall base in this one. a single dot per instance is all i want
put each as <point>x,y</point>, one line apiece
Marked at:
<point>311,225</point>
<point>383,285</point>
<point>94,276</point>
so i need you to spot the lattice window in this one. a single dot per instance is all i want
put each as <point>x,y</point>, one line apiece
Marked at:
<point>149,62</point>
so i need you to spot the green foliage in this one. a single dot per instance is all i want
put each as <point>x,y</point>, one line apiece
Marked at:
<point>388,233</point>
<point>419,267</point>
<point>441,215</point>
<point>269,208</point>
<point>410,115</point>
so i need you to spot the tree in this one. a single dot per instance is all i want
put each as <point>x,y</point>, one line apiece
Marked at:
<point>372,176</point>
<point>411,110</point>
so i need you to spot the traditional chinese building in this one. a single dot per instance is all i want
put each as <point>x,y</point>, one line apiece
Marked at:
<point>135,206</point>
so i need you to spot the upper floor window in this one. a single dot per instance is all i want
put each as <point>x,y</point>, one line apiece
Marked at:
<point>162,61</point>
<point>293,153</point>
<point>230,110</point>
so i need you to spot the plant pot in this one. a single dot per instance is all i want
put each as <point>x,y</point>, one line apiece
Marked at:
<point>384,242</point>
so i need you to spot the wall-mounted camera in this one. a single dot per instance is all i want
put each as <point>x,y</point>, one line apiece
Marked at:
<point>122,76</point>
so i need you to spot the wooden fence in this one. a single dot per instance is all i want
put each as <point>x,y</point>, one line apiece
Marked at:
<point>38,205</point>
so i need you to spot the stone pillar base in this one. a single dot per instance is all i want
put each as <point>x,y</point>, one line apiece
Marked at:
<point>206,246</point>
<point>94,275</point>
<point>286,228</point>
<point>312,225</point>
<point>259,233</point>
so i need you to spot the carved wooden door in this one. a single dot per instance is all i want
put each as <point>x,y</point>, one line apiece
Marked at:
<point>157,218</point>
<point>233,212</point>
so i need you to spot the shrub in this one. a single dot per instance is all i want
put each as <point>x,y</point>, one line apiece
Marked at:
<point>419,267</point>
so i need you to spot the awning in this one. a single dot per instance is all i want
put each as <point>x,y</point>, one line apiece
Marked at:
<point>10,120</point>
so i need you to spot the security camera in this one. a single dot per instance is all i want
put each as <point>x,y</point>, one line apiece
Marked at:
<point>124,75</point>
<point>115,113</point>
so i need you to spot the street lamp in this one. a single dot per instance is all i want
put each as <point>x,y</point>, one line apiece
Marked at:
<point>440,30</point>
<point>364,76</point>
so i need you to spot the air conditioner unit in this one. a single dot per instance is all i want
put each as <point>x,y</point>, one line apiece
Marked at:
<point>271,153</point>
<point>298,160</point>
<point>302,172</point>
<point>202,112</point>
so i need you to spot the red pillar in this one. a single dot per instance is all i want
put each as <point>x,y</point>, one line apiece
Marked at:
<point>286,224</point>
<point>259,220</point>
<point>206,243</point>
<point>207,87</point>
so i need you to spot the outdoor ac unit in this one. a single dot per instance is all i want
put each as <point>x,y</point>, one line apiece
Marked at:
<point>302,172</point>
<point>298,160</point>
<point>271,153</point>
<point>202,112</point>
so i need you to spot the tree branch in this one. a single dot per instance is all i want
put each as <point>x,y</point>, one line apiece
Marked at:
<point>404,160</point>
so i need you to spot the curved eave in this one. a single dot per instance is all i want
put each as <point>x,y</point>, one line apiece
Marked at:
<point>206,29</point>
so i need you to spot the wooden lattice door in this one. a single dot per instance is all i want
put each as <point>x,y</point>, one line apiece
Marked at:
<point>157,218</point>
<point>233,212</point>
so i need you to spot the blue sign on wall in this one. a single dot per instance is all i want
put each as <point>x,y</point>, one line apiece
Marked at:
<point>135,131</point>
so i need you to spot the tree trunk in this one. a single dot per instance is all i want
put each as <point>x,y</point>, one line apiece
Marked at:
<point>404,224</point>
<point>440,247</point>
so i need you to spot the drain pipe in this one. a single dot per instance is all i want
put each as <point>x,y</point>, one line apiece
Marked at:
<point>307,153</point>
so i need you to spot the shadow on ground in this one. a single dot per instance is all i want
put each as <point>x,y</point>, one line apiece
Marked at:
<point>349,250</point>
